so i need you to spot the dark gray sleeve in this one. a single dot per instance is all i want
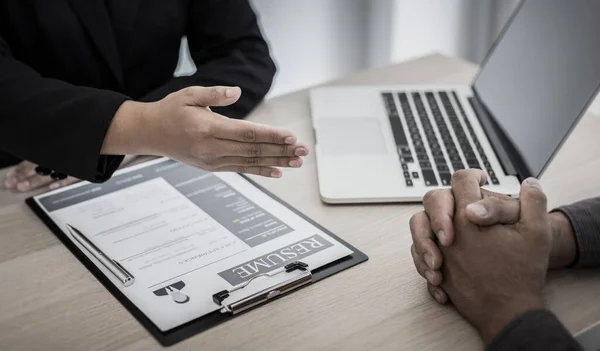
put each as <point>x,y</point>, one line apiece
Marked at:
<point>585,220</point>
<point>537,330</point>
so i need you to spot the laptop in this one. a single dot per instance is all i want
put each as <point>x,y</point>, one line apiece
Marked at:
<point>395,143</point>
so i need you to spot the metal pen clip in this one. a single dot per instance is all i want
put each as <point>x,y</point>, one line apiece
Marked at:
<point>112,265</point>
<point>242,304</point>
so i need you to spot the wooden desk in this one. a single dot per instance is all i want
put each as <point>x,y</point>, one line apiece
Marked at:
<point>49,301</point>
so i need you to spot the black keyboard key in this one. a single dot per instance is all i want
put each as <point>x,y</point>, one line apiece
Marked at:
<point>425,164</point>
<point>429,178</point>
<point>470,155</point>
<point>407,159</point>
<point>387,97</point>
<point>405,166</point>
<point>420,150</point>
<point>442,168</point>
<point>446,178</point>
<point>406,175</point>
<point>455,159</point>
<point>422,157</point>
<point>495,180</point>
<point>397,129</point>
<point>415,175</point>
<point>404,150</point>
<point>458,166</point>
<point>439,160</point>
<point>487,164</point>
<point>409,182</point>
<point>437,153</point>
<point>425,122</point>
<point>491,173</point>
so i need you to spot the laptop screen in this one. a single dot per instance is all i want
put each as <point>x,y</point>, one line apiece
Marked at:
<point>541,74</point>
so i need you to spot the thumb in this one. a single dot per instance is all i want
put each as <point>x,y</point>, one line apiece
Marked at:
<point>211,96</point>
<point>494,210</point>
<point>533,202</point>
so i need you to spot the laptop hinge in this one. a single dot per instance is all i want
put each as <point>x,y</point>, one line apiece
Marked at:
<point>508,156</point>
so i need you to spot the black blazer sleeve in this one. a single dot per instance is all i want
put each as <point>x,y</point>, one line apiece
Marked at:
<point>228,49</point>
<point>584,217</point>
<point>537,330</point>
<point>55,124</point>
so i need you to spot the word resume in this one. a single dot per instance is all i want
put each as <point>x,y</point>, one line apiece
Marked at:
<point>184,234</point>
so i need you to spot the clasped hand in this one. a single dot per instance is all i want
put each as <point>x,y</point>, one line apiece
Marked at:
<point>486,253</point>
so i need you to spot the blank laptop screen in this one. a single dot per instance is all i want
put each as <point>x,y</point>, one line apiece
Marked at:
<point>541,74</point>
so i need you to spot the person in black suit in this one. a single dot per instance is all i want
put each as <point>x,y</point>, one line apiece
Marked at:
<point>83,82</point>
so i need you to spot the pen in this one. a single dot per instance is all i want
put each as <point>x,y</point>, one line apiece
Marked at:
<point>113,266</point>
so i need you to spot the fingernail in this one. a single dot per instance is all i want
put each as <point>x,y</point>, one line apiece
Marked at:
<point>290,140</point>
<point>23,186</point>
<point>294,163</point>
<point>534,183</point>
<point>429,260</point>
<point>54,186</point>
<point>429,276</point>
<point>478,209</point>
<point>11,173</point>
<point>230,92</point>
<point>438,295</point>
<point>300,152</point>
<point>276,174</point>
<point>441,236</point>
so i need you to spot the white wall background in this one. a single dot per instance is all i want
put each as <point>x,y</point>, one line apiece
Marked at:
<point>311,41</point>
<point>314,41</point>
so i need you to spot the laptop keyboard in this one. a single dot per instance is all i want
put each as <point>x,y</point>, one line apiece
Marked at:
<point>424,160</point>
<point>488,167</point>
<point>446,159</point>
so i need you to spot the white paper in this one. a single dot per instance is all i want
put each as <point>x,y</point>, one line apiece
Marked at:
<point>185,234</point>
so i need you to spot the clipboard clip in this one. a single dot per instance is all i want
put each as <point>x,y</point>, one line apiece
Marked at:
<point>242,304</point>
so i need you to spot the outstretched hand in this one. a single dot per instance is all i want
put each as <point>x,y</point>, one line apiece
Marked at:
<point>182,126</point>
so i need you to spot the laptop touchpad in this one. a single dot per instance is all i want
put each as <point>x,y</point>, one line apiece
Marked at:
<point>342,136</point>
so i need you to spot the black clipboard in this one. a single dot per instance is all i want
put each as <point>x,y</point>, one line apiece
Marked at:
<point>212,319</point>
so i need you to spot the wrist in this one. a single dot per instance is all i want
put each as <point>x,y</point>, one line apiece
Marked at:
<point>564,247</point>
<point>502,314</point>
<point>130,130</point>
